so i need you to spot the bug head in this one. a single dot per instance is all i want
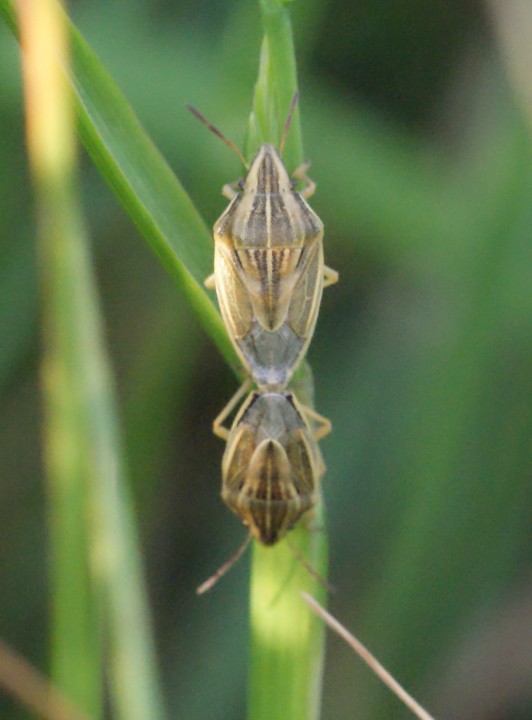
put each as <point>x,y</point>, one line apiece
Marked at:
<point>267,173</point>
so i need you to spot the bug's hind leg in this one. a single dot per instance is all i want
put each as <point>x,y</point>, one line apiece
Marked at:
<point>322,425</point>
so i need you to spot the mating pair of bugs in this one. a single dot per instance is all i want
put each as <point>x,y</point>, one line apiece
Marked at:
<point>269,275</point>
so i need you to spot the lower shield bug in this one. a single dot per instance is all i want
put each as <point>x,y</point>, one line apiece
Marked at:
<point>272,464</point>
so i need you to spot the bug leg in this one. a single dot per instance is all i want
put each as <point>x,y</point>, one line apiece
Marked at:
<point>230,190</point>
<point>323,424</point>
<point>217,427</point>
<point>321,464</point>
<point>209,282</point>
<point>301,175</point>
<point>330,276</point>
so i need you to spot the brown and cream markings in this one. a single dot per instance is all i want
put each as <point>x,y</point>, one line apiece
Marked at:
<point>269,276</point>
<point>272,464</point>
<point>268,269</point>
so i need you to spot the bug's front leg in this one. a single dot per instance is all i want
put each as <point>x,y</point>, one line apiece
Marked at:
<point>301,175</point>
<point>230,190</point>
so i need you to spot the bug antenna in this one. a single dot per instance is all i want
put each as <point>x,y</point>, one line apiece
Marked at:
<point>288,122</point>
<point>308,567</point>
<point>218,133</point>
<point>228,564</point>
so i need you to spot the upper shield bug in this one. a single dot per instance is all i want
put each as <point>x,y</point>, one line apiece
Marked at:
<point>269,271</point>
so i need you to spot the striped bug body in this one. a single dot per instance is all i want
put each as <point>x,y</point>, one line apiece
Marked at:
<point>272,464</point>
<point>269,272</point>
<point>269,276</point>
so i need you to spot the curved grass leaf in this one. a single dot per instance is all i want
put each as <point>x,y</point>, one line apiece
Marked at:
<point>143,181</point>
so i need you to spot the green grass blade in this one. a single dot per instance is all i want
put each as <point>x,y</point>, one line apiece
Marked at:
<point>150,192</point>
<point>280,83</point>
<point>287,641</point>
<point>75,653</point>
<point>96,566</point>
<point>143,181</point>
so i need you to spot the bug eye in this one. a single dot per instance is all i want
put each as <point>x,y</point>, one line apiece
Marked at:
<point>241,184</point>
<point>293,184</point>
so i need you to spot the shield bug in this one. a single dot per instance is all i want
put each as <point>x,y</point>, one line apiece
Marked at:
<point>272,464</point>
<point>269,270</point>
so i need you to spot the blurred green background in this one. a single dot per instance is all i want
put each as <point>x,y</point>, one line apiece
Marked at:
<point>421,148</point>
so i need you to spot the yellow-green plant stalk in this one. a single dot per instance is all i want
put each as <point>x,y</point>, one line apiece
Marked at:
<point>287,641</point>
<point>75,629</point>
<point>97,592</point>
